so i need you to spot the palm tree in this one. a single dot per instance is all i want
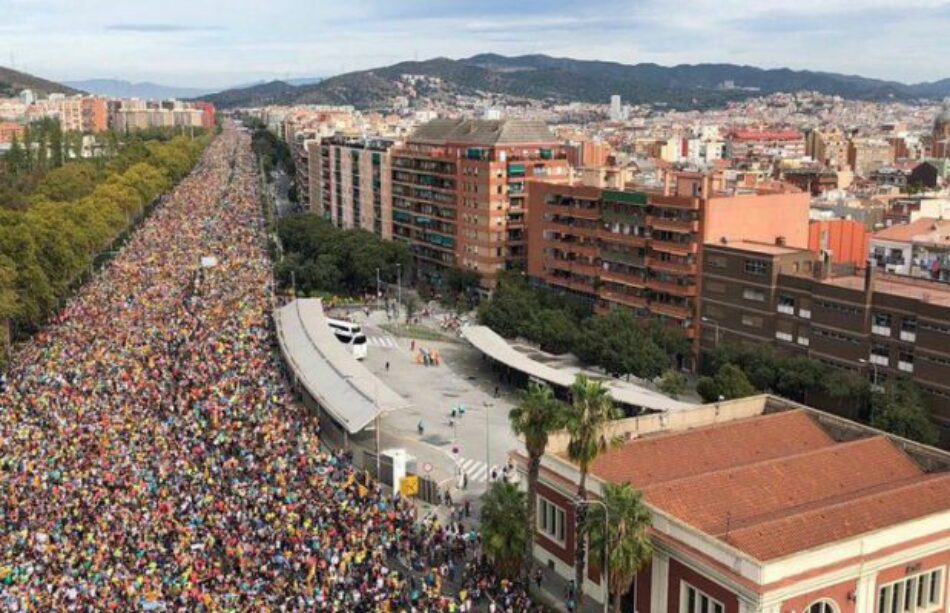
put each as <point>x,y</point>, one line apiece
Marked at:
<point>504,511</point>
<point>592,411</point>
<point>629,547</point>
<point>537,415</point>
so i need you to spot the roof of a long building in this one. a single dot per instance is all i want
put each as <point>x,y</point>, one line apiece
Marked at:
<point>776,484</point>
<point>484,132</point>
<point>924,230</point>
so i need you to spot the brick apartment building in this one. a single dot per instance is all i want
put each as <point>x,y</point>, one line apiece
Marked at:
<point>460,191</point>
<point>861,320</point>
<point>747,146</point>
<point>353,185</point>
<point>761,505</point>
<point>643,250</point>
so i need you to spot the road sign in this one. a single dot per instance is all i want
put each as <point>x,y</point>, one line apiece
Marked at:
<point>427,467</point>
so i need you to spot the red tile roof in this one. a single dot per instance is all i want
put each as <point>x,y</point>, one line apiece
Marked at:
<point>802,531</point>
<point>765,135</point>
<point>736,496</point>
<point>776,484</point>
<point>657,459</point>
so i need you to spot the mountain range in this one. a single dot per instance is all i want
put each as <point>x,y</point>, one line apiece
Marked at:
<point>12,82</point>
<point>567,80</point>
<point>146,90</point>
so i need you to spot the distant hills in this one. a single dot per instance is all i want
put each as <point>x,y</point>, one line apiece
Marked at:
<point>566,80</point>
<point>145,90</point>
<point>12,82</point>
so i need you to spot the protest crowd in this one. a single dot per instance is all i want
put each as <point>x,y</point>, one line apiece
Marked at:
<point>152,458</point>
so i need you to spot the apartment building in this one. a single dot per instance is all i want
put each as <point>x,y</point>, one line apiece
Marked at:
<point>95,115</point>
<point>10,130</point>
<point>748,146</point>
<point>865,155</point>
<point>828,147</point>
<point>863,320</point>
<point>353,183</point>
<point>460,192</point>
<point>643,250</point>
<point>762,505</point>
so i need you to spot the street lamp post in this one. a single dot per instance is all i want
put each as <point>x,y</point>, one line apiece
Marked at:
<point>398,289</point>
<point>603,569</point>
<point>874,368</point>
<point>378,293</point>
<point>709,320</point>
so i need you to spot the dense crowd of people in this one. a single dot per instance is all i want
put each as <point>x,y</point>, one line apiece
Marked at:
<point>151,457</point>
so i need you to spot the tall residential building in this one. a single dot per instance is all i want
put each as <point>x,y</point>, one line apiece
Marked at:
<point>95,115</point>
<point>941,133</point>
<point>643,250</point>
<point>865,155</point>
<point>828,147</point>
<point>460,192</point>
<point>616,108</point>
<point>881,324</point>
<point>353,186</point>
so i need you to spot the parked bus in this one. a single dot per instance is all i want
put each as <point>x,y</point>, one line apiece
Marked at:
<point>351,335</point>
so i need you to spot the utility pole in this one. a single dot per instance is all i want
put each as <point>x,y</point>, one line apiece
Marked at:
<point>398,290</point>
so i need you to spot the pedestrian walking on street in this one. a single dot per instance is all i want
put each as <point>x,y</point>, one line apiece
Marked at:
<point>538,576</point>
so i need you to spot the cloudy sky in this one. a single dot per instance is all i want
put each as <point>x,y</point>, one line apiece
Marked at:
<point>218,43</point>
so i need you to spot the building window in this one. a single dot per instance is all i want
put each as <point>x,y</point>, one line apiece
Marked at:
<point>753,294</point>
<point>716,261</point>
<point>694,601</point>
<point>822,606</point>
<point>881,325</point>
<point>716,287</point>
<point>786,304</point>
<point>551,520</point>
<point>917,594</point>
<point>756,267</point>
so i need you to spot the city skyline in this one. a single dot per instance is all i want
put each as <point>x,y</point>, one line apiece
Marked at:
<point>198,45</point>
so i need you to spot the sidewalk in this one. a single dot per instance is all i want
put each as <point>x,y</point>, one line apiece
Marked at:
<point>553,591</point>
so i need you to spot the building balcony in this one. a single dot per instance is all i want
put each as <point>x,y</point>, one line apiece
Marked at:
<point>674,289</point>
<point>880,360</point>
<point>623,239</point>
<point>623,257</point>
<point>683,268</point>
<point>629,300</point>
<point>576,267</point>
<point>804,313</point>
<point>683,249</point>
<point>583,249</point>
<point>573,284</point>
<point>633,218</point>
<point>623,278</point>
<point>908,336</point>
<point>659,201</point>
<point>671,310</point>
<point>786,309</point>
<point>673,225</point>
<point>573,211</point>
<point>903,366</point>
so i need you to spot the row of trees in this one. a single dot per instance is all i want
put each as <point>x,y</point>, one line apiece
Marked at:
<point>509,517</point>
<point>618,341</point>
<point>321,258</point>
<point>737,371</point>
<point>76,212</point>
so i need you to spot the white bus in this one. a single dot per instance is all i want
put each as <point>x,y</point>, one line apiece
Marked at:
<point>351,335</point>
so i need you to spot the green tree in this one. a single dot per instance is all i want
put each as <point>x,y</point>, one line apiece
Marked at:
<point>626,538</point>
<point>592,410</point>
<point>621,344</point>
<point>672,383</point>
<point>504,526</point>
<point>900,410</point>
<point>729,383</point>
<point>16,158</point>
<point>537,415</point>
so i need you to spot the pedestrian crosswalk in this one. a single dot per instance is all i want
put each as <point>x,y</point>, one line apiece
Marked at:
<point>384,342</point>
<point>477,471</point>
